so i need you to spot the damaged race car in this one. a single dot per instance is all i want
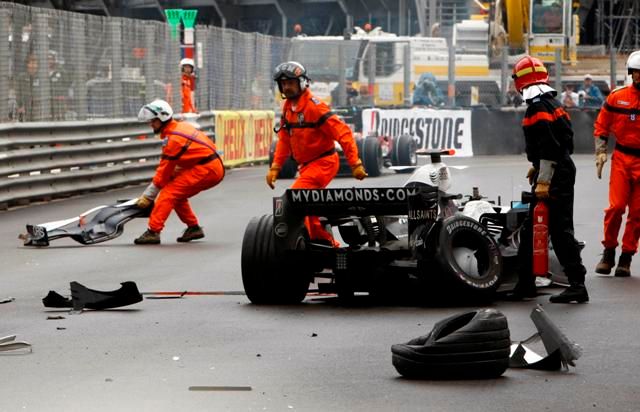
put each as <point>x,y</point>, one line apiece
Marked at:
<point>376,152</point>
<point>418,234</point>
<point>96,225</point>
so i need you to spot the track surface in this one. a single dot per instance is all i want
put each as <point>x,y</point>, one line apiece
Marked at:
<point>317,356</point>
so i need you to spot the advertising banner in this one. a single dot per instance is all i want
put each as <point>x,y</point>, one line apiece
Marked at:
<point>432,129</point>
<point>244,136</point>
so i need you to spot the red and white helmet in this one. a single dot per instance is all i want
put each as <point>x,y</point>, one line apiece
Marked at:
<point>529,71</point>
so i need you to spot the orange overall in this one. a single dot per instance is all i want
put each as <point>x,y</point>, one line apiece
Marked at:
<point>308,132</point>
<point>620,118</point>
<point>189,165</point>
<point>188,86</point>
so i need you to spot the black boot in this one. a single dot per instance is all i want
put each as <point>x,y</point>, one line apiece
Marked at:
<point>576,292</point>
<point>624,265</point>
<point>607,262</point>
<point>524,290</point>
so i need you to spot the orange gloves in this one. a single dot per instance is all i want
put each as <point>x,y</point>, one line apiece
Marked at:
<point>272,175</point>
<point>357,170</point>
<point>601,155</point>
<point>542,190</point>
<point>143,202</point>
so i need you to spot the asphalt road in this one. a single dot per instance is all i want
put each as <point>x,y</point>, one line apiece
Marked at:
<point>317,356</point>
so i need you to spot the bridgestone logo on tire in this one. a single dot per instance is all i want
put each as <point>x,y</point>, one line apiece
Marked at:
<point>466,223</point>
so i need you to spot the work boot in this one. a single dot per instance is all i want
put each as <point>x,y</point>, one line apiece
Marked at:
<point>148,238</point>
<point>191,233</point>
<point>576,292</point>
<point>624,265</point>
<point>607,262</point>
<point>523,291</point>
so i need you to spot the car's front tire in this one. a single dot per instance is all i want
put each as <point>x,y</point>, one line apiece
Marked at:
<point>469,257</point>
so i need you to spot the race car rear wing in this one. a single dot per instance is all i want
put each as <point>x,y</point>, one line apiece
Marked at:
<point>354,201</point>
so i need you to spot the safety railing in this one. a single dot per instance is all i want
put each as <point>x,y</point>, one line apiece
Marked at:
<point>43,161</point>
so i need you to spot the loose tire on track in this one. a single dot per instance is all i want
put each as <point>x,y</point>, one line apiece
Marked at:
<point>465,346</point>
<point>469,257</point>
<point>267,276</point>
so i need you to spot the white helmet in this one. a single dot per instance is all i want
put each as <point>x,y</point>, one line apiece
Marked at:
<point>633,62</point>
<point>157,109</point>
<point>187,61</point>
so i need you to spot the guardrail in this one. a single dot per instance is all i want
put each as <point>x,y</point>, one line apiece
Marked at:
<point>42,161</point>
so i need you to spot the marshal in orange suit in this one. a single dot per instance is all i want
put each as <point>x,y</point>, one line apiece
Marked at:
<point>189,164</point>
<point>308,131</point>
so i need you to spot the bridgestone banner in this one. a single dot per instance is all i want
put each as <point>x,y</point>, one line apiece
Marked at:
<point>433,129</point>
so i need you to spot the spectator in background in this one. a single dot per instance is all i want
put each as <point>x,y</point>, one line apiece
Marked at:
<point>427,92</point>
<point>297,30</point>
<point>513,97</point>
<point>60,87</point>
<point>27,82</point>
<point>569,98</point>
<point>351,94</point>
<point>188,86</point>
<point>590,95</point>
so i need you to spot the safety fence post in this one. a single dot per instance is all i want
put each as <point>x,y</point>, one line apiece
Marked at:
<point>115,27</point>
<point>42,93</point>
<point>451,90</point>
<point>406,61</point>
<point>150,62</point>
<point>342,80</point>
<point>613,60</point>
<point>5,65</point>
<point>558,71</point>
<point>79,61</point>
<point>504,76</point>
<point>202,90</point>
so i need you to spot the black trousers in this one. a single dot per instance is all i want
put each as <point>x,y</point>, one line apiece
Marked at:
<point>561,230</point>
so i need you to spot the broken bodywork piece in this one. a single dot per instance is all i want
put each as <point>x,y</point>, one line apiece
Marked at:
<point>97,225</point>
<point>9,344</point>
<point>85,298</point>
<point>561,352</point>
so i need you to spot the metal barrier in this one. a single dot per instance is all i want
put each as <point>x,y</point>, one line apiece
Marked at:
<point>39,162</point>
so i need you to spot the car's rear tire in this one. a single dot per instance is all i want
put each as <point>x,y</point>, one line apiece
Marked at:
<point>469,257</point>
<point>268,277</point>
<point>405,151</point>
<point>371,155</point>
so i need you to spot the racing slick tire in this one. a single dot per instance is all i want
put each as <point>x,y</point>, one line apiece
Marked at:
<point>469,257</point>
<point>474,344</point>
<point>266,275</point>
<point>289,168</point>
<point>371,155</point>
<point>404,151</point>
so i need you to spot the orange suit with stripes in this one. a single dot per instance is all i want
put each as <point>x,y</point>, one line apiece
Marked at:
<point>189,164</point>
<point>308,131</point>
<point>620,118</point>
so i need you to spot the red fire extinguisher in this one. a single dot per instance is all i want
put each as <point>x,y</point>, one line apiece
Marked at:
<point>541,239</point>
